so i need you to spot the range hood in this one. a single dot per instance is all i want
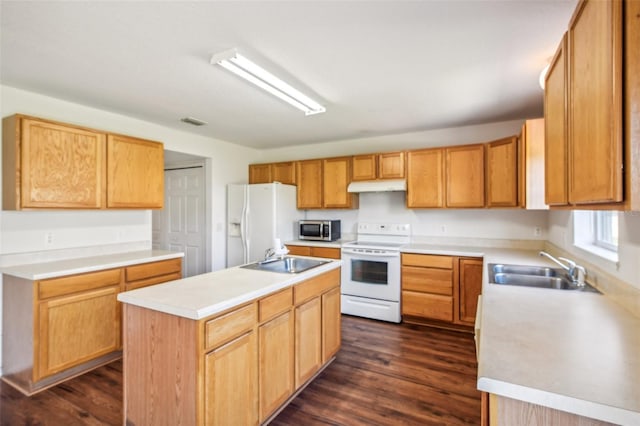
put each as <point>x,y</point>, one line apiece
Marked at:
<point>378,186</point>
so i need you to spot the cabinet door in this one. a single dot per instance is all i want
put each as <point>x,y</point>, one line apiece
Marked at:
<point>330,323</point>
<point>555,128</point>
<point>336,177</point>
<point>328,252</point>
<point>502,173</point>
<point>309,179</point>
<point>60,166</point>
<point>135,173</point>
<point>364,167</point>
<point>465,176</point>
<point>231,383</point>
<point>75,329</point>
<point>260,173</point>
<point>595,100</point>
<point>470,281</point>
<point>284,172</point>
<point>276,363</point>
<point>391,165</point>
<point>308,342</point>
<point>425,178</point>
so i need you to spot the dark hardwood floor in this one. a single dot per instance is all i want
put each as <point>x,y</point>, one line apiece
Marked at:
<point>385,374</point>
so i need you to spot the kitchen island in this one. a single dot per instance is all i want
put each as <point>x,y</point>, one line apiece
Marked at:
<point>228,347</point>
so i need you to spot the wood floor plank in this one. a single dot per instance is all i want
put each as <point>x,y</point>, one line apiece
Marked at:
<point>385,374</point>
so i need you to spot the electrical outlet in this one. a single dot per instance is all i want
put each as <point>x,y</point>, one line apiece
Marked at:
<point>48,238</point>
<point>443,229</point>
<point>537,231</point>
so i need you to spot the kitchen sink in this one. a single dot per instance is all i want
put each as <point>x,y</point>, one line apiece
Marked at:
<point>286,265</point>
<point>534,276</point>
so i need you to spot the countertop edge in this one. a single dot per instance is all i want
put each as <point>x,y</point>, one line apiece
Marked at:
<point>564,403</point>
<point>146,256</point>
<point>201,313</point>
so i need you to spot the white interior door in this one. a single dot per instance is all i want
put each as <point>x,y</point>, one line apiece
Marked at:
<point>181,224</point>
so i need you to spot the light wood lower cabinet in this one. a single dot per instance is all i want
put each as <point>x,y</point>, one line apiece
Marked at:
<point>75,329</point>
<point>65,326</point>
<point>314,251</point>
<point>443,289</point>
<point>231,381</point>
<point>308,343</point>
<point>276,362</point>
<point>246,364</point>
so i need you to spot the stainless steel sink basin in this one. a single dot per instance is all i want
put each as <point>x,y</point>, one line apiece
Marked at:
<point>534,276</point>
<point>286,265</point>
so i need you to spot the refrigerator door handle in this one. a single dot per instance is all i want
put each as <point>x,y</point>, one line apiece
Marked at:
<point>244,232</point>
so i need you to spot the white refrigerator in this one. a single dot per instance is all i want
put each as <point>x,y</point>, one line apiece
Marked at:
<point>256,215</point>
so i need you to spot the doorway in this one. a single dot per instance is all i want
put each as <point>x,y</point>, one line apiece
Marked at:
<point>182,225</point>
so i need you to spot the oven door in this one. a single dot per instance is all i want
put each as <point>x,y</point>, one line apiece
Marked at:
<point>372,275</point>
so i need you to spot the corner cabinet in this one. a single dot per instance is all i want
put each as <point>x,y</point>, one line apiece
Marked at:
<point>51,165</point>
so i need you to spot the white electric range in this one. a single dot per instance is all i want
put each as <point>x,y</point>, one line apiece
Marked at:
<point>371,271</point>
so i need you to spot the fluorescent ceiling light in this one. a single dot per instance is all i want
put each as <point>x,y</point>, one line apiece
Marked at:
<point>243,67</point>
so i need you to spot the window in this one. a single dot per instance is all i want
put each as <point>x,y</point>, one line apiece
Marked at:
<point>597,233</point>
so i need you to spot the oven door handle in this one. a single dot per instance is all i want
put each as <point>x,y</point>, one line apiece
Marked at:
<point>358,253</point>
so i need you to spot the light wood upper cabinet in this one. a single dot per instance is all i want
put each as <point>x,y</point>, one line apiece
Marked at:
<point>595,103</point>
<point>555,121</point>
<point>425,178</point>
<point>309,178</point>
<point>51,165</point>
<point>336,178</point>
<point>389,165</point>
<point>502,172</point>
<point>283,172</point>
<point>260,173</point>
<point>464,167</point>
<point>135,173</point>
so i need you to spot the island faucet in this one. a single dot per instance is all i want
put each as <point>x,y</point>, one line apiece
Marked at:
<point>576,272</point>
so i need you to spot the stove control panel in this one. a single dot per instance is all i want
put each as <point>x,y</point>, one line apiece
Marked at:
<point>403,229</point>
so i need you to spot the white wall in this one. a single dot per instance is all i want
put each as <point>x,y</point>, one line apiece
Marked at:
<point>473,223</point>
<point>628,267</point>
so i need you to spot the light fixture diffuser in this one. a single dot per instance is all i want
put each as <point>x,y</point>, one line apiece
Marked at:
<point>243,67</point>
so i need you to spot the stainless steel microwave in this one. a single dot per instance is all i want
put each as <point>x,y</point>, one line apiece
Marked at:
<point>319,230</point>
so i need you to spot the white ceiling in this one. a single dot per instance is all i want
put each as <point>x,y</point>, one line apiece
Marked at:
<point>379,67</point>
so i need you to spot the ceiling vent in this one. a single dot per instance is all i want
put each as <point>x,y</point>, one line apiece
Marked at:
<point>193,121</point>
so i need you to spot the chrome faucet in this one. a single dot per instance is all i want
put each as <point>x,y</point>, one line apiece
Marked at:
<point>576,272</point>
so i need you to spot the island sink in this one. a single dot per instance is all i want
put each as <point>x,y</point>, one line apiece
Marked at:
<point>286,265</point>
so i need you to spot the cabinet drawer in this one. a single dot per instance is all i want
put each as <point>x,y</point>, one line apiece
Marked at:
<point>271,306</point>
<point>431,306</point>
<point>315,286</point>
<point>153,280</point>
<point>328,252</point>
<point>75,283</point>
<point>230,325</point>
<point>299,250</point>
<point>153,269</point>
<point>427,280</point>
<point>427,260</point>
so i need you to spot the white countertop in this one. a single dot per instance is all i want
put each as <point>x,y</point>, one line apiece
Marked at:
<point>59,268</point>
<point>203,295</point>
<point>573,351</point>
